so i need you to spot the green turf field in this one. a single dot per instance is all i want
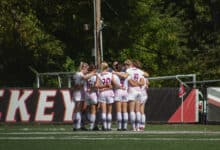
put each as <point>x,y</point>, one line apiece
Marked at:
<point>61,137</point>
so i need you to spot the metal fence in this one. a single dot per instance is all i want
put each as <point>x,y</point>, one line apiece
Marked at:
<point>68,75</point>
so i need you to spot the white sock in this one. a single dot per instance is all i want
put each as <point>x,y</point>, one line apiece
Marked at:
<point>138,119</point>
<point>104,120</point>
<point>74,120</point>
<point>119,119</point>
<point>125,120</point>
<point>132,119</point>
<point>92,121</point>
<point>143,120</point>
<point>109,121</point>
<point>78,120</point>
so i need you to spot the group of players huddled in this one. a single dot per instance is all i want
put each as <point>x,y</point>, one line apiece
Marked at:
<point>125,86</point>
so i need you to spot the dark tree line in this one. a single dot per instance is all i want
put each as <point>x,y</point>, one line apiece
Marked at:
<point>168,36</point>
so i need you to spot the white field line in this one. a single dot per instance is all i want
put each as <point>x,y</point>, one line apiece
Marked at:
<point>110,133</point>
<point>41,129</point>
<point>90,136</point>
<point>108,138</point>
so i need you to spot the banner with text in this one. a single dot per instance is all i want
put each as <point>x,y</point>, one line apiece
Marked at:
<point>56,106</point>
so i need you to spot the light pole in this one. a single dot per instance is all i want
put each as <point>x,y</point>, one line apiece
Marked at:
<point>101,39</point>
<point>97,32</point>
<point>94,17</point>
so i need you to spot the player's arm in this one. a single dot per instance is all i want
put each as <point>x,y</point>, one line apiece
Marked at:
<point>147,83</point>
<point>114,83</point>
<point>89,75</point>
<point>100,85</point>
<point>123,75</point>
<point>97,82</point>
<point>133,83</point>
<point>76,85</point>
<point>141,82</point>
<point>146,74</point>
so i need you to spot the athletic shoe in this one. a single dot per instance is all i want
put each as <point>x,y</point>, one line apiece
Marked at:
<point>96,128</point>
<point>84,129</point>
<point>104,129</point>
<point>141,129</point>
<point>74,129</point>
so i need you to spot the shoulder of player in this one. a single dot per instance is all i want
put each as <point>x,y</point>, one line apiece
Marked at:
<point>92,77</point>
<point>105,73</point>
<point>77,75</point>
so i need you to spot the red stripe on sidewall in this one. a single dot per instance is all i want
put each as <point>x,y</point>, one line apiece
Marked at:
<point>189,110</point>
<point>214,102</point>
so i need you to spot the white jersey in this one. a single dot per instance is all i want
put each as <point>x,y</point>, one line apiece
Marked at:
<point>106,78</point>
<point>120,81</point>
<point>134,74</point>
<point>107,95</point>
<point>79,94</point>
<point>121,93</point>
<point>134,93</point>
<point>78,78</point>
<point>91,82</point>
<point>143,87</point>
<point>144,95</point>
<point>91,93</point>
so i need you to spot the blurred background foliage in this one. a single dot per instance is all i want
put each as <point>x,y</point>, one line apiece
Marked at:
<point>169,37</point>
